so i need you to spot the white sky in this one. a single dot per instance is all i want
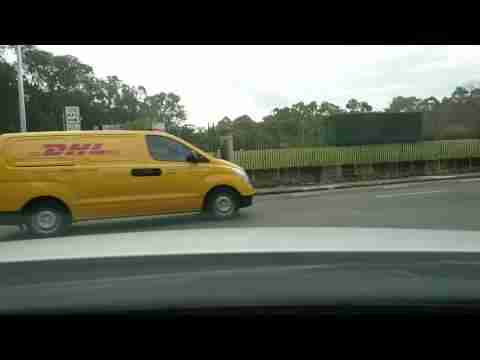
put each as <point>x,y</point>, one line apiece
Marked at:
<point>214,81</point>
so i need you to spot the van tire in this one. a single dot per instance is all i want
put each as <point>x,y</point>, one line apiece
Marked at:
<point>222,204</point>
<point>47,219</point>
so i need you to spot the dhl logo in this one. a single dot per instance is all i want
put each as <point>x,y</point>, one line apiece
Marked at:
<point>74,149</point>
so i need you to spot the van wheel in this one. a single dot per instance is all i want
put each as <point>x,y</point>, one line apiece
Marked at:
<point>47,220</point>
<point>222,204</point>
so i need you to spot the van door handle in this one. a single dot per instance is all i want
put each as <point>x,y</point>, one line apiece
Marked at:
<point>146,172</point>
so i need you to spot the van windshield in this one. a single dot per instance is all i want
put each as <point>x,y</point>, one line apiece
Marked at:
<point>165,149</point>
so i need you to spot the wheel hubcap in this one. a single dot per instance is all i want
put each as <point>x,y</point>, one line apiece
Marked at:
<point>46,220</point>
<point>224,204</point>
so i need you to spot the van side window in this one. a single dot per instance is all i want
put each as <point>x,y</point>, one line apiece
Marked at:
<point>164,149</point>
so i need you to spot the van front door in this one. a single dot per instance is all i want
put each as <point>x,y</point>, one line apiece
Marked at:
<point>176,184</point>
<point>105,186</point>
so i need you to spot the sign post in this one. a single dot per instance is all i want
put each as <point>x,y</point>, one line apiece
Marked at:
<point>21,96</point>
<point>227,147</point>
<point>72,120</point>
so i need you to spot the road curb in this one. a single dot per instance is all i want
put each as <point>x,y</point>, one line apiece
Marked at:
<point>273,191</point>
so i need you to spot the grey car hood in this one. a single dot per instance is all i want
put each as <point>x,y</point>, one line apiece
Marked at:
<point>240,240</point>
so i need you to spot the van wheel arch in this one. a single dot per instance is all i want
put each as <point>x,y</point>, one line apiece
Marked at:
<point>46,200</point>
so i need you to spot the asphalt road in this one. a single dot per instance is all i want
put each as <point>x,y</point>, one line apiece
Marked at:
<point>451,204</point>
<point>146,281</point>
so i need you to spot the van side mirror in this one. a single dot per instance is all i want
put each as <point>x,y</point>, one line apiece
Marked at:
<point>193,158</point>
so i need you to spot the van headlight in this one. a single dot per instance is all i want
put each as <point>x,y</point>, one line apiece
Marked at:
<point>242,173</point>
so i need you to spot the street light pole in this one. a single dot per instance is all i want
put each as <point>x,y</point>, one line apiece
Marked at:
<point>21,97</point>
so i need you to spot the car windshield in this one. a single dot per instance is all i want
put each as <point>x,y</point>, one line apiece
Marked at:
<point>120,151</point>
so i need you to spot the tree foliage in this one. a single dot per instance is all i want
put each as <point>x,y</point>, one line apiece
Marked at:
<point>53,82</point>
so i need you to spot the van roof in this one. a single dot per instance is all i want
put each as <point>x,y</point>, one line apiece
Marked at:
<point>33,134</point>
<point>80,132</point>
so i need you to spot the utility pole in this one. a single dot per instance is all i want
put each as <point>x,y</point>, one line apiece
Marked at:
<point>21,97</point>
<point>303,131</point>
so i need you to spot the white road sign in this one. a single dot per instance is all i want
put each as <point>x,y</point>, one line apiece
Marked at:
<point>72,118</point>
<point>112,127</point>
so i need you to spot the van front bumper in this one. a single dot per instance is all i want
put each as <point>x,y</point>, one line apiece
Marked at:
<point>246,201</point>
<point>10,218</point>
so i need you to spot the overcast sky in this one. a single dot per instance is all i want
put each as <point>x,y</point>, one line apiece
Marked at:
<point>216,81</point>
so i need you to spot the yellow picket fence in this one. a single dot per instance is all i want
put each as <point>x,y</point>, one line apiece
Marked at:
<point>351,155</point>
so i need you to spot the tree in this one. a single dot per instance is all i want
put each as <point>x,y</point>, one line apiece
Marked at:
<point>404,104</point>
<point>139,124</point>
<point>165,108</point>
<point>428,104</point>
<point>327,109</point>
<point>3,50</point>
<point>475,92</point>
<point>211,138</point>
<point>365,107</point>
<point>460,92</point>
<point>284,124</point>
<point>244,130</point>
<point>8,98</point>
<point>53,82</point>
<point>353,105</point>
<point>224,126</point>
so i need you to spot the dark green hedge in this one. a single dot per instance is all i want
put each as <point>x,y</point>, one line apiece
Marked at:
<point>373,128</point>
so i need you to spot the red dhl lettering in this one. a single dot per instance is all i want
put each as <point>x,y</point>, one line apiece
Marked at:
<point>54,149</point>
<point>74,149</point>
<point>97,149</point>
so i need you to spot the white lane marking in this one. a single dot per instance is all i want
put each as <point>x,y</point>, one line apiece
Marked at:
<point>304,194</point>
<point>354,192</point>
<point>468,180</point>
<point>395,186</point>
<point>409,194</point>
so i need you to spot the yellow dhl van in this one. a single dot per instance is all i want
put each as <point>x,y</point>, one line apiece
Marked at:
<point>50,179</point>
